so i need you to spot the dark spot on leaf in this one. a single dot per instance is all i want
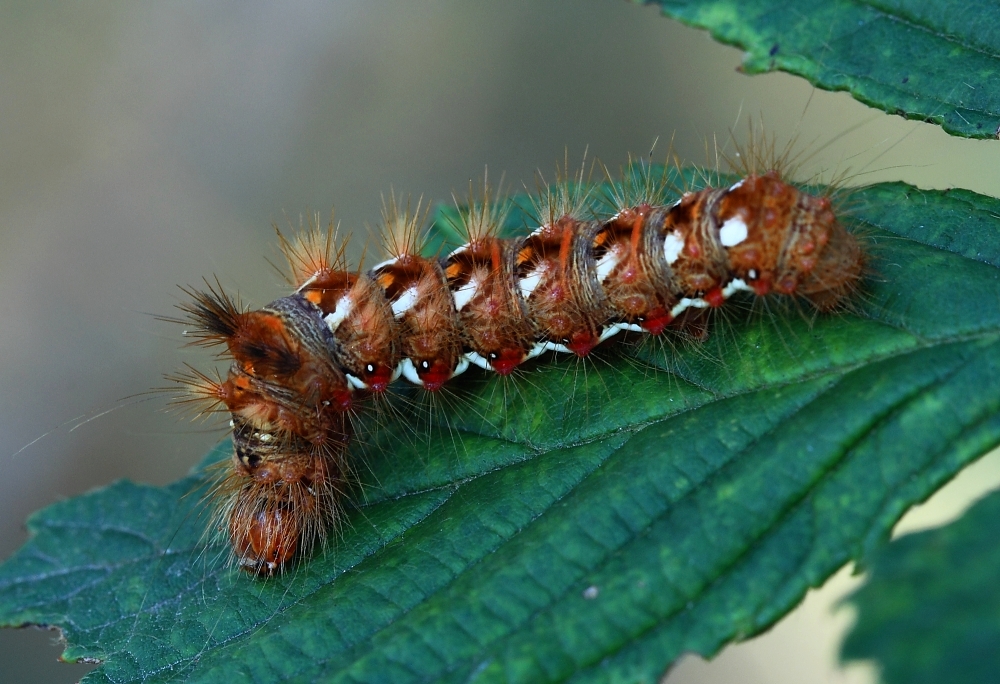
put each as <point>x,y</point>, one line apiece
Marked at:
<point>774,50</point>
<point>906,79</point>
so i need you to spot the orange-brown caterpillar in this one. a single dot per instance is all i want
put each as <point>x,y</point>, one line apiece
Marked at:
<point>298,363</point>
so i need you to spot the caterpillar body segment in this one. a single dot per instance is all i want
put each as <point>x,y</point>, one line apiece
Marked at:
<point>494,321</point>
<point>630,263</point>
<point>282,494</point>
<point>422,303</point>
<point>351,304</point>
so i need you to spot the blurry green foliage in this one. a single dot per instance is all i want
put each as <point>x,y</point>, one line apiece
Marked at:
<point>931,610</point>
<point>932,60</point>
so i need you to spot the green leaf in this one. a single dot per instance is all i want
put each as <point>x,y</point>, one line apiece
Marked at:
<point>586,522</point>
<point>932,60</point>
<point>930,611</point>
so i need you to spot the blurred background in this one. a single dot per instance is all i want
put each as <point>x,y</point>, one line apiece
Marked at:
<point>144,146</point>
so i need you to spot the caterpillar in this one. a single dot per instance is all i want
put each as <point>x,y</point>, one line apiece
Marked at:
<point>299,364</point>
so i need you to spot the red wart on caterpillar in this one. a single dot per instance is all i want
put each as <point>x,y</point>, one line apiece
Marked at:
<point>299,363</point>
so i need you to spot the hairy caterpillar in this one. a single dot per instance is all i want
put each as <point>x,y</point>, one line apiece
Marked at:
<point>300,363</point>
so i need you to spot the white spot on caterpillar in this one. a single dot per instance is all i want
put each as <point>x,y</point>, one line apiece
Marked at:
<point>556,347</point>
<point>734,286</point>
<point>383,264</point>
<point>479,360</point>
<point>528,283</point>
<point>733,232</point>
<point>404,302</point>
<point>356,383</point>
<point>264,437</point>
<point>611,331</point>
<point>464,294</point>
<point>688,303</point>
<point>310,281</point>
<point>752,274</point>
<point>460,367</point>
<point>340,313</point>
<point>735,185</point>
<point>410,372</point>
<point>458,251</point>
<point>631,327</point>
<point>606,265</point>
<point>537,349</point>
<point>673,244</point>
